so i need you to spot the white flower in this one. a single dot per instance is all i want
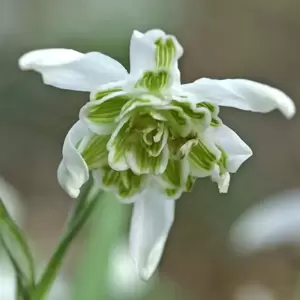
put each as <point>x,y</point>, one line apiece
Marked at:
<point>144,135</point>
<point>269,224</point>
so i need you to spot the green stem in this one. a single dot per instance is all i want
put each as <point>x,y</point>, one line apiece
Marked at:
<point>80,215</point>
<point>108,226</point>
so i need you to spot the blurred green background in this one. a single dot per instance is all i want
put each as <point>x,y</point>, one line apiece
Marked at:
<point>256,39</point>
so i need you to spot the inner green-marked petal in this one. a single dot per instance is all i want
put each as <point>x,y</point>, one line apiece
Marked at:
<point>201,157</point>
<point>125,183</point>
<point>95,153</point>
<point>165,52</point>
<point>141,162</point>
<point>108,111</point>
<point>101,94</point>
<point>154,81</point>
<point>207,105</point>
<point>187,109</point>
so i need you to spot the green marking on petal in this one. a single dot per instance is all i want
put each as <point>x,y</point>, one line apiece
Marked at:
<point>207,105</point>
<point>101,94</point>
<point>165,52</point>
<point>173,172</point>
<point>141,162</point>
<point>155,138</point>
<point>190,183</point>
<point>223,161</point>
<point>188,109</point>
<point>171,192</point>
<point>201,157</point>
<point>107,111</point>
<point>119,144</point>
<point>215,122</point>
<point>95,152</point>
<point>126,183</point>
<point>129,184</point>
<point>177,121</point>
<point>154,81</point>
<point>135,102</point>
<point>110,177</point>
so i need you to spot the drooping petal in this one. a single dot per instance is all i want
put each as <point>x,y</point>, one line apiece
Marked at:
<point>151,50</point>
<point>235,149</point>
<point>242,94</point>
<point>72,70</point>
<point>152,218</point>
<point>73,172</point>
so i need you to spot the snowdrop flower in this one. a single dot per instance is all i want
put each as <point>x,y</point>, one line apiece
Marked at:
<point>269,224</point>
<point>144,135</point>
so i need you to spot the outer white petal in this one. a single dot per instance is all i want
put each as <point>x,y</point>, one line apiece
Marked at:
<point>243,94</point>
<point>69,69</point>
<point>236,149</point>
<point>152,218</point>
<point>142,50</point>
<point>73,172</point>
<point>269,224</point>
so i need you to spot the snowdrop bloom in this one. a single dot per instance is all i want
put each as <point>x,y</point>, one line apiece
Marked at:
<point>144,135</point>
<point>269,224</point>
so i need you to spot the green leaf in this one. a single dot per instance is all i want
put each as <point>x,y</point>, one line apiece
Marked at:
<point>16,246</point>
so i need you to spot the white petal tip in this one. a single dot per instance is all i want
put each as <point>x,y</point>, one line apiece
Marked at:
<point>25,62</point>
<point>47,58</point>
<point>74,193</point>
<point>289,109</point>
<point>224,183</point>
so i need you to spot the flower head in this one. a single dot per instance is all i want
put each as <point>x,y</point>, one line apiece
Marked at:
<point>144,132</point>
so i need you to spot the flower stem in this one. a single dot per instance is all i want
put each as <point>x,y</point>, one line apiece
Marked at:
<point>84,208</point>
